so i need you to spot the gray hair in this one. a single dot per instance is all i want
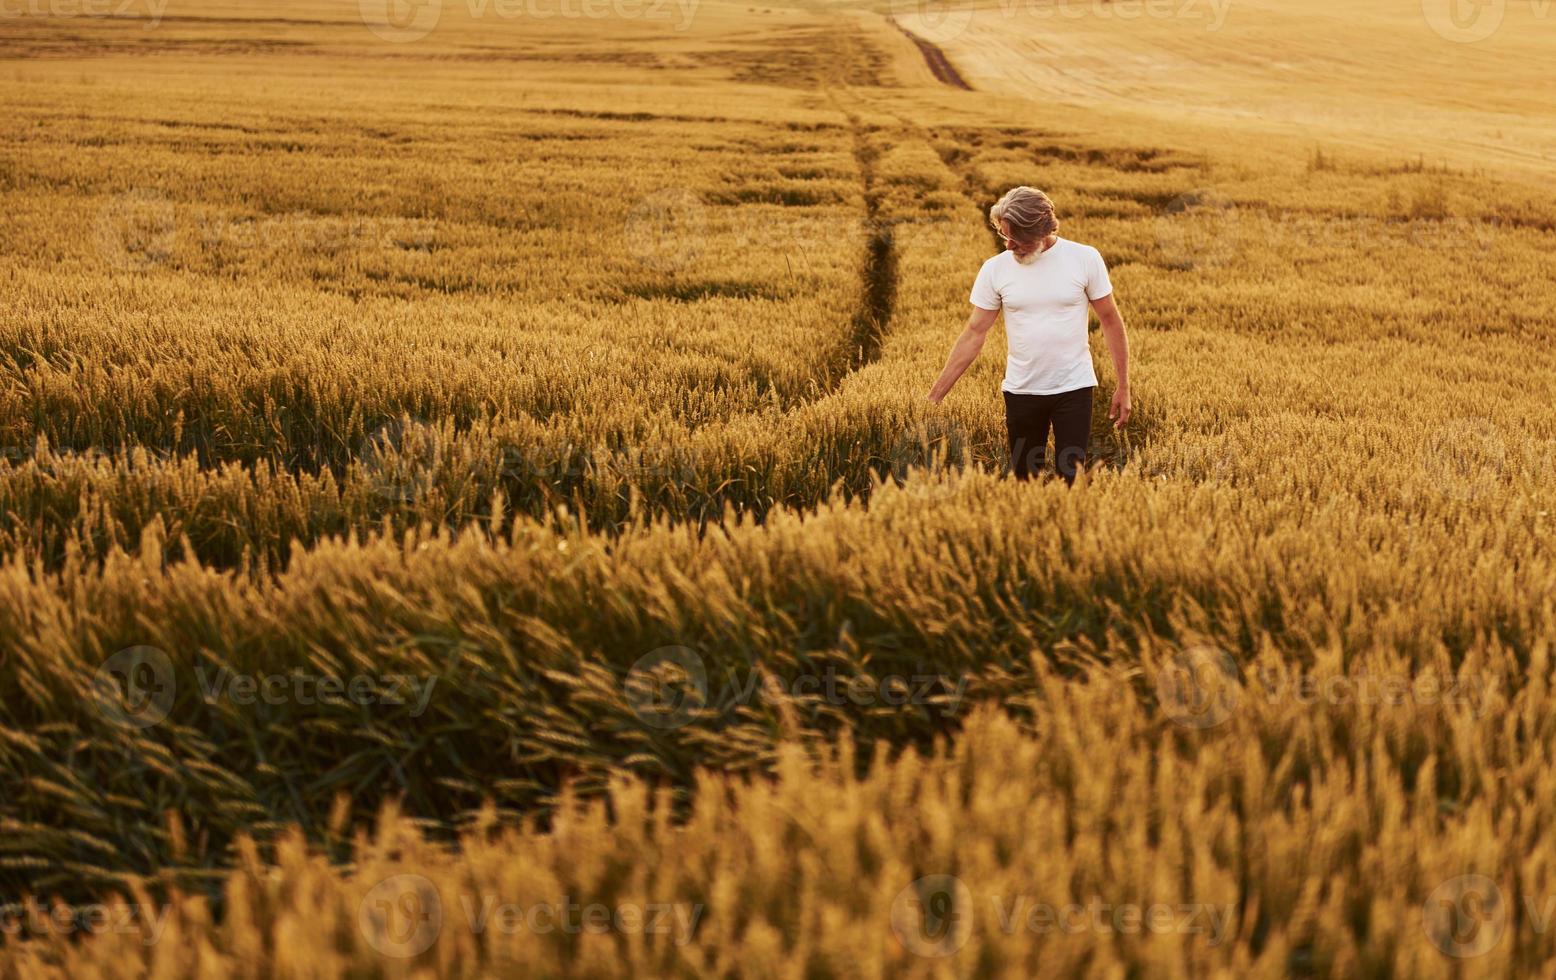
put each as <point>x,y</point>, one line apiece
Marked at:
<point>1029,214</point>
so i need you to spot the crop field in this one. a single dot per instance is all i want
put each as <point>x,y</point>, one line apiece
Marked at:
<point>1431,81</point>
<point>469,504</point>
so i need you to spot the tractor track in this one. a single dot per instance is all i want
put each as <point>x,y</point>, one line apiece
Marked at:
<point>939,65</point>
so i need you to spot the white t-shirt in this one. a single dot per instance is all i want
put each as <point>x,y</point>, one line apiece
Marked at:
<point>1045,303</point>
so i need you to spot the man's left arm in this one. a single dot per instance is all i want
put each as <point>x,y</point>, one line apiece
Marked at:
<point>1118,347</point>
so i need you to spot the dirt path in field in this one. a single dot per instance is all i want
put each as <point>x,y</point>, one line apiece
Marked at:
<point>879,277</point>
<point>878,301</point>
<point>973,188</point>
<point>880,269</point>
<point>939,64</point>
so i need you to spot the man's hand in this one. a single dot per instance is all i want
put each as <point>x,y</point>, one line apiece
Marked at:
<point>936,396</point>
<point>1119,410</point>
<point>1118,346</point>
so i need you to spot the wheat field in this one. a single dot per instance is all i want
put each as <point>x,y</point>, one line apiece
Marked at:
<point>469,505</point>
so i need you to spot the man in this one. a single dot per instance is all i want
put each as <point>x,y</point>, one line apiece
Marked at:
<point>1044,284</point>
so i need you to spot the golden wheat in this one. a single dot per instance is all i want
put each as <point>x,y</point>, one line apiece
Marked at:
<point>583,364</point>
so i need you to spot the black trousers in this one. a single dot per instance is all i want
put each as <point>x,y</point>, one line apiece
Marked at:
<point>1027,421</point>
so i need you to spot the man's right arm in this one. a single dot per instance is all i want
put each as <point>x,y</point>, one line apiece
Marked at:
<point>964,351</point>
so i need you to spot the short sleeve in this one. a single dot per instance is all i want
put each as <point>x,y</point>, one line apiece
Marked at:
<point>984,295</point>
<point>1098,285</point>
